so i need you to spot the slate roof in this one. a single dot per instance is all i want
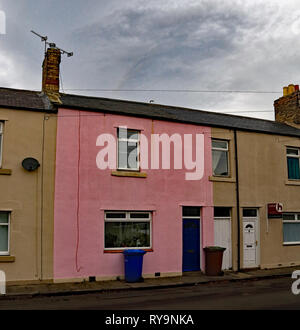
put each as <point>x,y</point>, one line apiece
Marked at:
<point>25,99</point>
<point>38,101</point>
<point>163,112</point>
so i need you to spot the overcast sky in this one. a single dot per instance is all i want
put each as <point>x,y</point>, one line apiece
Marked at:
<point>172,44</point>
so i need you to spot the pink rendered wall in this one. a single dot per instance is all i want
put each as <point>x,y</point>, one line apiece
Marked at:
<point>79,242</point>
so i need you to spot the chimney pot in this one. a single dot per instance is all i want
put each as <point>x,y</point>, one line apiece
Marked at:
<point>291,89</point>
<point>285,91</point>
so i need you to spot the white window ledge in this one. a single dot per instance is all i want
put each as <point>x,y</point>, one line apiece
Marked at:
<point>291,243</point>
<point>292,182</point>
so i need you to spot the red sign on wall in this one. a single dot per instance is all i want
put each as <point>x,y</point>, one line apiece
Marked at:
<point>275,210</point>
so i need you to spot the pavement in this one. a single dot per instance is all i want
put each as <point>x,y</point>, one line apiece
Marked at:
<point>187,279</point>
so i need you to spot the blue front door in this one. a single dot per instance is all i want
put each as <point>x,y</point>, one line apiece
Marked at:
<point>191,245</point>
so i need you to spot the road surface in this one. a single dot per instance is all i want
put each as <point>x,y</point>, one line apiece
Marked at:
<point>246,295</point>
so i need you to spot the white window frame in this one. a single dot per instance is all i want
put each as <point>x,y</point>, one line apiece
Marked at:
<point>6,253</point>
<point>137,141</point>
<point>297,220</point>
<point>1,141</point>
<point>221,149</point>
<point>293,156</point>
<point>128,219</point>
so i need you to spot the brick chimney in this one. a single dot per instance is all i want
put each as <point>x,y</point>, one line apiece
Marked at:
<point>51,65</point>
<point>287,107</point>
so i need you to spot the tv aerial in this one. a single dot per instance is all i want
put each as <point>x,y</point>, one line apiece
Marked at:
<point>51,44</point>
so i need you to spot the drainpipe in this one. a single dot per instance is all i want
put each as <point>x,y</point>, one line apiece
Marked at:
<point>237,200</point>
<point>42,200</point>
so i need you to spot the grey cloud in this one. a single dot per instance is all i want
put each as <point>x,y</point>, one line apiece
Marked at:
<point>164,45</point>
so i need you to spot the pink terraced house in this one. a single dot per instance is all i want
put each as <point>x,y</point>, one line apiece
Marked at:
<point>154,196</point>
<point>100,212</point>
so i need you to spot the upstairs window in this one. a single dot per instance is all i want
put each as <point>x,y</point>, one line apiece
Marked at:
<point>220,158</point>
<point>1,142</point>
<point>293,163</point>
<point>128,149</point>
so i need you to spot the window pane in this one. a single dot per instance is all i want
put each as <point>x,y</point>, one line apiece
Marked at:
<point>220,162</point>
<point>293,168</point>
<point>191,211</point>
<point>1,127</point>
<point>133,135</point>
<point>139,215</point>
<point>291,232</point>
<point>127,234</point>
<point>4,217</point>
<point>132,156</point>
<point>122,157</point>
<point>128,134</point>
<point>3,238</point>
<point>219,144</point>
<point>116,215</point>
<point>292,151</point>
<point>288,216</point>
<point>248,213</point>
<point>222,212</point>
<point>122,133</point>
<point>128,155</point>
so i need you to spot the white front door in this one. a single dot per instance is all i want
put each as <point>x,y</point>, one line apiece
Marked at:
<point>250,238</point>
<point>223,238</point>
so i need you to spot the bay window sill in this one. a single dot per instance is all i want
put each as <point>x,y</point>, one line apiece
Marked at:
<point>292,182</point>
<point>222,179</point>
<point>132,174</point>
<point>4,171</point>
<point>7,259</point>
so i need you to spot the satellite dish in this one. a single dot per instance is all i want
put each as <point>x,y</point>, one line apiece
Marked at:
<point>30,164</point>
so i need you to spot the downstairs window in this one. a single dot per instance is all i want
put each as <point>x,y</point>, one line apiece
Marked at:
<point>291,228</point>
<point>128,230</point>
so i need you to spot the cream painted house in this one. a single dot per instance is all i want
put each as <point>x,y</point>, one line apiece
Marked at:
<point>27,130</point>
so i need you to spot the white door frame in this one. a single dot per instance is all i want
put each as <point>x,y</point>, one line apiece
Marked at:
<point>256,222</point>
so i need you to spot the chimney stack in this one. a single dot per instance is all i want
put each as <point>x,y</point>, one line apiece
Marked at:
<point>51,65</point>
<point>287,107</point>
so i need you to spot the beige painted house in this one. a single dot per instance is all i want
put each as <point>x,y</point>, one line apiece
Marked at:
<point>268,172</point>
<point>27,130</point>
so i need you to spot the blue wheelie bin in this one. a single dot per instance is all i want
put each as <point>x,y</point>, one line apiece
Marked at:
<point>133,260</point>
